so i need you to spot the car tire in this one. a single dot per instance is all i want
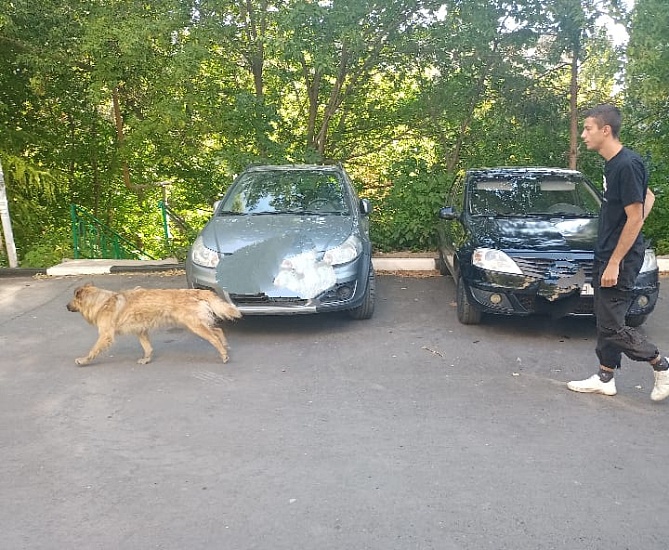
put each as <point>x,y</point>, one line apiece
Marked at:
<point>441,265</point>
<point>366,309</point>
<point>467,313</point>
<point>635,320</point>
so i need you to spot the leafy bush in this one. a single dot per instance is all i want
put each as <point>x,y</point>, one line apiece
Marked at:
<point>48,251</point>
<point>405,210</point>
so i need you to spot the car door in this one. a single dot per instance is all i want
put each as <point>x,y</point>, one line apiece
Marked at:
<point>449,229</point>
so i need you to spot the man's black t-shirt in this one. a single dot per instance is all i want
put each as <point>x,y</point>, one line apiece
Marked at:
<point>625,182</point>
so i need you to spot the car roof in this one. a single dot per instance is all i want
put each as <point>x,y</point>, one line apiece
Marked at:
<point>513,170</point>
<point>292,167</point>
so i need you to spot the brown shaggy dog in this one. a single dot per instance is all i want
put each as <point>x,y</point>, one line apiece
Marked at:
<point>139,310</point>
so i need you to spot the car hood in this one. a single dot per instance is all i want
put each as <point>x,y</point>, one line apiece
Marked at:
<point>254,250</point>
<point>229,234</point>
<point>535,233</point>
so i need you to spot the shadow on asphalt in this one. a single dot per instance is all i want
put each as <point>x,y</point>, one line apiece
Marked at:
<point>292,324</point>
<point>582,327</point>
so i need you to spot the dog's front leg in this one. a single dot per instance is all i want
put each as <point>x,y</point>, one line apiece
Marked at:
<point>104,341</point>
<point>146,346</point>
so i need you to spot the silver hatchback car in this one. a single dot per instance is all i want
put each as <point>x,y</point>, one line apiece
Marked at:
<point>288,239</point>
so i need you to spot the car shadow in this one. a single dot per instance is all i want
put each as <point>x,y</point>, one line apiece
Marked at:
<point>292,324</point>
<point>581,327</point>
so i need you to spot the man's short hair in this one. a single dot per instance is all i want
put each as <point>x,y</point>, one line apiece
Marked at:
<point>606,115</point>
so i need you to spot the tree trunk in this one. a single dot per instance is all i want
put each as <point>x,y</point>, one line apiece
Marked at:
<point>454,157</point>
<point>256,29</point>
<point>118,119</point>
<point>573,109</point>
<point>313,86</point>
<point>334,102</point>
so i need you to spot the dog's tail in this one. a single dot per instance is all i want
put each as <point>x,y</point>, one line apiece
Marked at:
<point>222,309</point>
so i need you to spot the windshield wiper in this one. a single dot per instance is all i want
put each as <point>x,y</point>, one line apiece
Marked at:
<point>571,215</point>
<point>320,212</point>
<point>269,212</point>
<point>509,215</point>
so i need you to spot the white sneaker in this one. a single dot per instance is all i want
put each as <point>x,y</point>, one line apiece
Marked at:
<point>661,387</point>
<point>594,384</point>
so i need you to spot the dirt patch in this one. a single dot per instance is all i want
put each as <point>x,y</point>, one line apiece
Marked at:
<point>423,274</point>
<point>405,254</point>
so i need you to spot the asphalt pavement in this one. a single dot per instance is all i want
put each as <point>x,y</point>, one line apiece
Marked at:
<point>406,431</point>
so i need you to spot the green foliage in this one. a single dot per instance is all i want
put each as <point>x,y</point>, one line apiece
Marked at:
<point>118,105</point>
<point>647,107</point>
<point>50,249</point>
<point>405,210</point>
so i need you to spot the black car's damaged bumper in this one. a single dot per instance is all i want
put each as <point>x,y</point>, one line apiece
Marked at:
<point>522,295</point>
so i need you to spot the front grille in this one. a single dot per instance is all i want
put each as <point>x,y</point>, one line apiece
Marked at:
<point>553,268</point>
<point>263,299</point>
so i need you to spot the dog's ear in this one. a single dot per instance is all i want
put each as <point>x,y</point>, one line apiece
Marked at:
<point>79,290</point>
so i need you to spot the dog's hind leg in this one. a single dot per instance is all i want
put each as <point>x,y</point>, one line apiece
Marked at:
<point>105,339</point>
<point>214,336</point>
<point>221,336</point>
<point>146,346</point>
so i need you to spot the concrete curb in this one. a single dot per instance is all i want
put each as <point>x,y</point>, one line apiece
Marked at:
<point>102,267</point>
<point>404,264</point>
<point>9,272</point>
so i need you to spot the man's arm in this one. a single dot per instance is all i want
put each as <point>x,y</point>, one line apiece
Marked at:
<point>635,217</point>
<point>648,203</point>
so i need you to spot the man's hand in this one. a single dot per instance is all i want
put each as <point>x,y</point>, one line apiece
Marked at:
<point>630,231</point>
<point>610,275</point>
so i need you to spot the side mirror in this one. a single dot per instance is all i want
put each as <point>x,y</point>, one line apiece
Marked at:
<point>216,205</point>
<point>365,207</point>
<point>448,213</point>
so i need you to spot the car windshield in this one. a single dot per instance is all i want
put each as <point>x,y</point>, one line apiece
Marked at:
<point>533,195</point>
<point>286,192</point>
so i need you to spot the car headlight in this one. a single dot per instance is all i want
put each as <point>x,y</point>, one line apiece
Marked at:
<point>495,260</point>
<point>346,252</point>
<point>201,255</point>
<point>649,261</point>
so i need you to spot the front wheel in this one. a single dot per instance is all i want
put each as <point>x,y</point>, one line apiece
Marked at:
<point>366,309</point>
<point>635,320</point>
<point>441,265</point>
<point>468,314</point>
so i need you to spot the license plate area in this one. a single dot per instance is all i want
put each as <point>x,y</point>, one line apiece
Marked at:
<point>587,290</point>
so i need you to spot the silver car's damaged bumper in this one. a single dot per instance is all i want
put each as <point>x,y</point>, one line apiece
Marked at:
<point>345,294</point>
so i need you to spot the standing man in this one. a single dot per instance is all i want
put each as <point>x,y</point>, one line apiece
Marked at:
<point>619,254</point>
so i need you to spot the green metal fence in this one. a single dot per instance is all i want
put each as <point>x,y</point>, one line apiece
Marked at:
<point>169,214</point>
<point>93,239</point>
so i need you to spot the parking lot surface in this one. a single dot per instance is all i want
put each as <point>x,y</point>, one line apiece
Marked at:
<point>407,431</point>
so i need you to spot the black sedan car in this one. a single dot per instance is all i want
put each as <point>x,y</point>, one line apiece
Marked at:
<point>520,241</point>
<point>288,239</point>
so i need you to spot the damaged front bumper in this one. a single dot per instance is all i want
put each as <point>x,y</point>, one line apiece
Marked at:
<point>555,296</point>
<point>347,292</point>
